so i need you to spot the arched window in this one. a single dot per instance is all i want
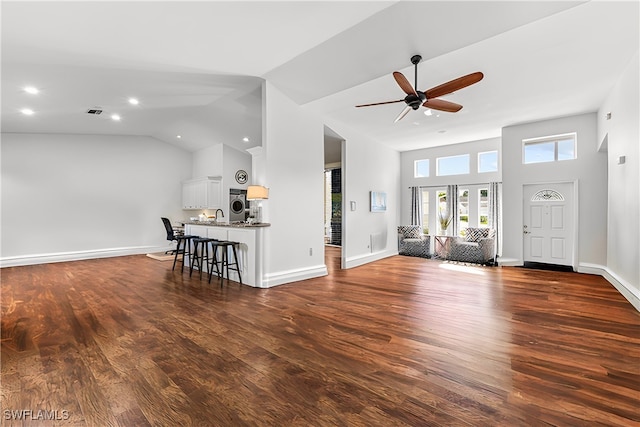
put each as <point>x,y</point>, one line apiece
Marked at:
<point>547,196</point>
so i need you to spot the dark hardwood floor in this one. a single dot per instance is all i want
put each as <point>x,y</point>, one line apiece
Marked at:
<point>400,342</point>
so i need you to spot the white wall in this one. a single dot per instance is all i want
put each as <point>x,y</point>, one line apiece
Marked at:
<point>221,160</point>
<point>472,148</point>
<point>292,167</point>
<point>234,160</point>
<point>208,161</point>
<point>82,196</point>
<point>291,164</point>
<point>623,235</point>
<point>368,166</point>
<point>590,169</point>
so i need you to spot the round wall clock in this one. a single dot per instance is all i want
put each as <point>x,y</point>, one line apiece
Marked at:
<point>241,177</point>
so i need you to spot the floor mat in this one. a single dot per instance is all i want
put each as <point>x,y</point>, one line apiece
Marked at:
<point>161,256</point>
<point>551,267</point>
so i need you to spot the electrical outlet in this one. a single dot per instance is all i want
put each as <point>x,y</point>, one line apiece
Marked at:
<point>310,251</point>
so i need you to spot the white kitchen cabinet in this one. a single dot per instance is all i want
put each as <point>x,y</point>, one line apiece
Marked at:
<point>204,193</point>
<point>214,193</point>
<point>189,192</point>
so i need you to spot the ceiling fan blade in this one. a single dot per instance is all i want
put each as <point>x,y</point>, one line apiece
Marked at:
<point>380,103</point>
<point>403,113</point>
<point>442,105</point>
<point>404,83</point>
<point>454,85</point>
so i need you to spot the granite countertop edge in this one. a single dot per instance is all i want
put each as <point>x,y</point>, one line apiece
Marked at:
<point>227,225</point>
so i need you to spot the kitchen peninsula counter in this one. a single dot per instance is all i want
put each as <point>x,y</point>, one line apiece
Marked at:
<point>250,237</point>
<point>226,224</point>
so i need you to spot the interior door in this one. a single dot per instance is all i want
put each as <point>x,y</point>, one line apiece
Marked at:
<point>549,223</point>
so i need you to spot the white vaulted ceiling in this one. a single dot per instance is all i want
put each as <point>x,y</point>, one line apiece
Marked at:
<point>197,67</point>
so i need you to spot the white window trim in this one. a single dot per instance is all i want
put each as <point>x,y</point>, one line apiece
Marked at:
<point>415,168</point>
<point>554,139</point>
<point>450,157</point>
<point>497,159</point>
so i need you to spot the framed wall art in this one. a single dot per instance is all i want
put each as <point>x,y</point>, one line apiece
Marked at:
<point>378,201</point>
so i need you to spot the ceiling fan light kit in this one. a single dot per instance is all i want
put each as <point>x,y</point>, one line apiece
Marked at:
<point>428,98</point>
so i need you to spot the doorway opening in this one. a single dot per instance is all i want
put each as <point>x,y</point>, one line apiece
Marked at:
<point>333,207</point>
<point>333,191</point>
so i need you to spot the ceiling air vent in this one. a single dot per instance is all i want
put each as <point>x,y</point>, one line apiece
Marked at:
<point>96,111</point>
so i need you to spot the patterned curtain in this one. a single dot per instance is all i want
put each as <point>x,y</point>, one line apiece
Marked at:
<point>452,210</point>
<point>495,210</point>
<point>416,206</point>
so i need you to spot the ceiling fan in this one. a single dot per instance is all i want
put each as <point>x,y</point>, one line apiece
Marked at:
<point>416,98</point>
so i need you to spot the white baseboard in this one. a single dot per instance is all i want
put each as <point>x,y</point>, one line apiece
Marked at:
<point>631,293</point>
<point>509,262</point>
<point>280,278</point>
<point>16,261</point>
<point>359,260</point>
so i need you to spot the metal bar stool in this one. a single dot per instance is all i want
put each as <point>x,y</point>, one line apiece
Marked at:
<point>214,262</point>
<point>183,246</point>
<point>200,255</point>
<point>224,260</point>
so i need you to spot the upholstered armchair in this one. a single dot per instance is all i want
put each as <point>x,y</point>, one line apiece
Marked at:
<point>412,242</point>
<point>477,246</point>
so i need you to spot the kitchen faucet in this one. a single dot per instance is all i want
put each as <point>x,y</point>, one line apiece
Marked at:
<point>221,214</point>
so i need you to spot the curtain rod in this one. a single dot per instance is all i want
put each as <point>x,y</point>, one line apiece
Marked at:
<point>445,185</point>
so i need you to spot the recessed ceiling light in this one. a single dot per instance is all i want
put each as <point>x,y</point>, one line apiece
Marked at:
<point>27,111</point>
<point>32,90</point>
<point>115,117</point>
<point>134,101</point>
<point>178,136</point>
<point>245,139</point>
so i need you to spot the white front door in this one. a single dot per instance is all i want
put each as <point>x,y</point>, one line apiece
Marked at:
<point>549,223</point>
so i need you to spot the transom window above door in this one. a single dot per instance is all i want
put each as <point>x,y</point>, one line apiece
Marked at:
<point>549,149</point>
